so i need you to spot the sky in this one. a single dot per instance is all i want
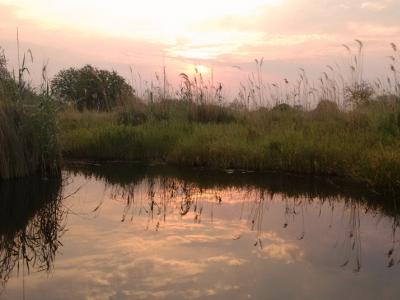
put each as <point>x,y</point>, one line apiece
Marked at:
<point>221,37</point>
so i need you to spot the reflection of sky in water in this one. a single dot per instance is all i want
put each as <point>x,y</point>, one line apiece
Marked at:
<point>240,248</point>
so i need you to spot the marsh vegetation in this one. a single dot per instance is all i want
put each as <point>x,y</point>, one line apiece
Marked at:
<point>340,125</point>
<point>28,125</point>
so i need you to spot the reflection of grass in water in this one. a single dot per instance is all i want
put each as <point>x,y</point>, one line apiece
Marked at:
<point>31,223</point>
<point>161,196</point>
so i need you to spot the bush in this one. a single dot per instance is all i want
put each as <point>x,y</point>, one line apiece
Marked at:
<point>358,93</point>
<point>283,107</point>
<point>325,110</point>
<point>90,88</point>
<point>210,113</point>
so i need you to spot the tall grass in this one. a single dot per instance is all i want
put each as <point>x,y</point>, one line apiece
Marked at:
<point>339,125</point>
<point>28,126</point>
<point>361,144</point>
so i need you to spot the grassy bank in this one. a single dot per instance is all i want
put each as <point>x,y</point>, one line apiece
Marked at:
<point>361,144</point>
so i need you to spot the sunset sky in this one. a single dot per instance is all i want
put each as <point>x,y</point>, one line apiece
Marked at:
<point>223,35</point>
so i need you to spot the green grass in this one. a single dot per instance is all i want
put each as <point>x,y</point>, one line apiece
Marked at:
<point>361,144</point>
<point>28,139</point>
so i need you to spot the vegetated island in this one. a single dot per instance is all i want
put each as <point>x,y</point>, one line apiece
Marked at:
<point>337,127</point>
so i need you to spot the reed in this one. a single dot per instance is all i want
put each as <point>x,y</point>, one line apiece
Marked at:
<point>341,125</point>
<point>360,144</point>
<point>28,125</point>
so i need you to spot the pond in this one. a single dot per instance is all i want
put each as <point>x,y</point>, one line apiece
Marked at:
<point>126,231</point>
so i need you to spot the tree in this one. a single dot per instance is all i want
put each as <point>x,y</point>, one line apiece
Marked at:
<point>90,88</point>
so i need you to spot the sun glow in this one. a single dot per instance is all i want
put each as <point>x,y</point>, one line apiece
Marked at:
<point>225,35</point>
<point>198,69</point>
<point>201,69</point>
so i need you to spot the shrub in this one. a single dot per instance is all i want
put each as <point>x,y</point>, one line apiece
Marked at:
<point>207,113</point>
<point>90,88</point>
<point>358,93</point>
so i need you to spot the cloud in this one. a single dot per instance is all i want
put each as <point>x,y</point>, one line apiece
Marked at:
<point>276,248</point>
<point>300,32</point>
<point>373,5</point>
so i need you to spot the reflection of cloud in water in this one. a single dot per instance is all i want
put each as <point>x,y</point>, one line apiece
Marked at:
<point>277,248</point>
<point>145,265</point>
<point>143,277</point>
<point>229,260</point>
<point>167,203</point>
<point>187,242</point>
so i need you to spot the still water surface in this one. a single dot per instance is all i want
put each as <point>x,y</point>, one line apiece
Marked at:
<point>134,232</point>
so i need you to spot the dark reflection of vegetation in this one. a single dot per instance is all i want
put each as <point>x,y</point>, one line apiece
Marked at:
<point>30,225</point>
<point>291,186</point>
<point>175,190</point>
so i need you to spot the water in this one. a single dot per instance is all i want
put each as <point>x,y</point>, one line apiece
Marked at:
<point>134,232</point>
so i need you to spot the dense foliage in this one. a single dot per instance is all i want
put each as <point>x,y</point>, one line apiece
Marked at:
<point>90,88</point>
